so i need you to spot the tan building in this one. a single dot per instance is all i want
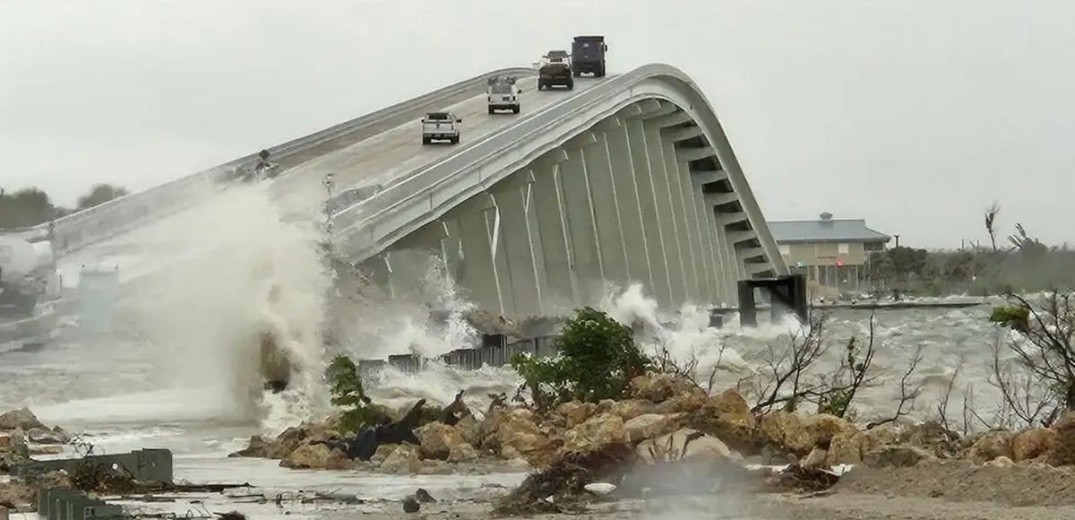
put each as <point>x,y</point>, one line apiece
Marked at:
<point>831,252</point>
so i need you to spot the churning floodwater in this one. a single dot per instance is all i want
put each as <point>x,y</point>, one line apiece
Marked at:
<point>179,370</point>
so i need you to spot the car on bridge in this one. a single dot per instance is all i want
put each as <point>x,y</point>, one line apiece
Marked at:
<point>440,126</point>
<point>555,70</point>
<point>588,55</point>
<point>503,94</point>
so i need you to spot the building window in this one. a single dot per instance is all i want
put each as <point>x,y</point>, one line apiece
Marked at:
<point>844,249</point>
<point>785,249</point>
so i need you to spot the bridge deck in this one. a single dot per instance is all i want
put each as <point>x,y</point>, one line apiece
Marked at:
<point>380,158</point>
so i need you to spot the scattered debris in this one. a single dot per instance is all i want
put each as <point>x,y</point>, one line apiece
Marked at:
<point>600,488</point>
<point>562,485</point>
<point>231,515</point>
<point>804,479</point>
<point>363,445</point>
<point>410,505</point>
<point>423,496</point>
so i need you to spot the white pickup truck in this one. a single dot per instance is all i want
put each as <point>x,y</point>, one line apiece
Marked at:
<point>442,126</point>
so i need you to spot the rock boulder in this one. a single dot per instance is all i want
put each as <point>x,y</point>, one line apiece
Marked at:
<point>659,387</point>
<point>1033,443</point>
<point>403,459</point>
<point>316,456</point>
<point>990,446</point>
<point>628,409</point>
<point>896,456</point>
<point>726,416</point>
<point>47,436</point>
<point>787,431</point>
<point>597,432</point>
<point>517,435</point>
<point>685,445</point>
<point>21,419</point>
<point>650,425</point>
<point>438,440</point>
<point>575,413</point>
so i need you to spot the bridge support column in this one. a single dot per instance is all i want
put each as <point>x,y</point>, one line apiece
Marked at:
<point>415,258</point>
<point>661,284</point>
<point>451,249</point>
<point>581,221</point>
<point>697,273</point>
<point>624,181</point>
<point>548,209</point>
<point>603,190</point>
<point>379,271</point>
<point>712,243</point>
<point>478,221</point>
<point>666,214</point>
<point>516,258</point>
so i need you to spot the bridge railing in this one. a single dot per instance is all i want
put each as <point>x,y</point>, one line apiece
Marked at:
<point>88,226</point>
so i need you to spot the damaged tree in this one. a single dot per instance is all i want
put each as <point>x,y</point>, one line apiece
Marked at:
<point>363,445</point>
<point>559,488</point>
<point>792,378</point>
<point>1041,386</point>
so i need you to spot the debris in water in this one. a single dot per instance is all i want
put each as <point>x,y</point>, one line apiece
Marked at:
<point>364,444</point>
<point>600,488</point>
<point>800,478</point>
<point>410,505</point>
<point>554,489</point>
<point>231,515</point>
<point>423,496</point>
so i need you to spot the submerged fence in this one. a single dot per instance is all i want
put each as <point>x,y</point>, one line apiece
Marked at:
<point>494,351</point>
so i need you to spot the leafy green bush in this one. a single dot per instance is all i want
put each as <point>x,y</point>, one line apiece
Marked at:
<point>598,358</point>
<point>1015,317</point>
<point>348,393</point>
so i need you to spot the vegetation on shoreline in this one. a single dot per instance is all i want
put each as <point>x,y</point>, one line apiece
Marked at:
<point>30,206</point>
<point>598,358</point>
<point>1023,264</point>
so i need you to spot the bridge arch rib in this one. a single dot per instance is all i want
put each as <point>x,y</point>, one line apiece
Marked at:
<point>633,180</point>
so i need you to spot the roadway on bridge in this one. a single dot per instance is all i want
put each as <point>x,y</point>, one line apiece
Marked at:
<point>384,158</point>
<point>394,154</point>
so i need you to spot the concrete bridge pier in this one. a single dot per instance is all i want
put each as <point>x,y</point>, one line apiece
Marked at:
<point>661,285</point>
<point>415,261</point>
<point>660,181</point>
<point>516,260</point>
<point>559,278</point>
<point>478,219</point>
<point>606,196</point>
<point>581,218</point>
<point>695,264</point>
<point>623,181</point>
<point>707,176</point>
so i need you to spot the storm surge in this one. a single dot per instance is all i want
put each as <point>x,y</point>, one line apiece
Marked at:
<point>248,273</point>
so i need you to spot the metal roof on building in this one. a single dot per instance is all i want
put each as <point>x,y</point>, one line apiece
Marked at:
<point>844,230</point>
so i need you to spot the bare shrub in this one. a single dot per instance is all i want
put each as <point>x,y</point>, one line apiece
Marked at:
<point>1040,385</point>
<point>789,378</point>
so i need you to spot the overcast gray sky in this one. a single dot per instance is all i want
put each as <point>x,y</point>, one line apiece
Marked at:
<point>914,115</point>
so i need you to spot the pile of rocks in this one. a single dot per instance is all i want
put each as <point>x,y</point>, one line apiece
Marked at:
<point>665,418</point>
<point>23,435</point>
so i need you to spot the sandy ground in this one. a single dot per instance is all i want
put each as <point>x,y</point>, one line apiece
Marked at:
<point>931,491</point>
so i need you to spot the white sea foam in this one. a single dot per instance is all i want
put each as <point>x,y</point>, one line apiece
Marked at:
<point>251,273</point>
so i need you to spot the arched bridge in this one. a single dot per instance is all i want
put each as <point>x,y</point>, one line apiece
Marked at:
<point>628,178</point>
